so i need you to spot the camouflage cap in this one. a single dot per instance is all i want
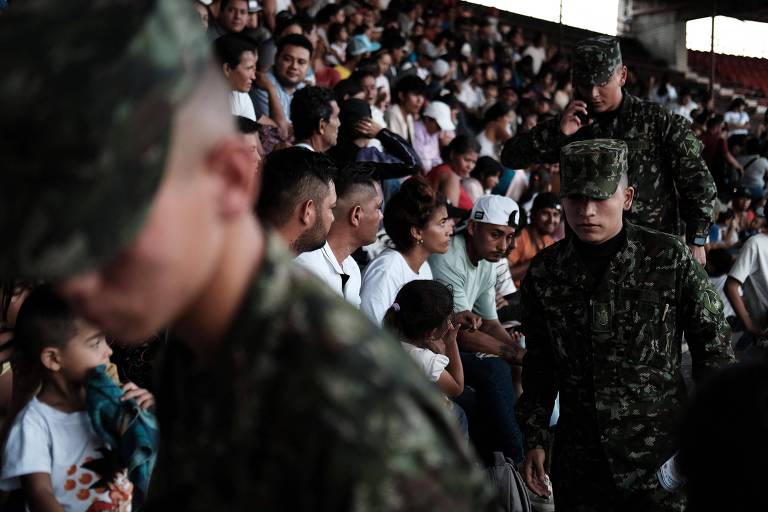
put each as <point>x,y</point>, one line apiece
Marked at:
<point>88,93</point>
<point>595,60</point>
<point>592,168</point>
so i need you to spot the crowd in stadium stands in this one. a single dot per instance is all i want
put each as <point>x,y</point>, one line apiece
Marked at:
<point>377,129</point>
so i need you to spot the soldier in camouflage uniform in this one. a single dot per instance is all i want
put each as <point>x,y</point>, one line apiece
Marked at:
<point>131,190</point>
<point>604,313</point>
<point>671,180</point>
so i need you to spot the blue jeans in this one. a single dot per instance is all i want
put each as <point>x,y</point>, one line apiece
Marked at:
<point>492,424</point>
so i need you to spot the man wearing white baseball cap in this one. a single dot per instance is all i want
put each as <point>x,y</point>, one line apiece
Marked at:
<point>435,119</point>
<point>469,267</point>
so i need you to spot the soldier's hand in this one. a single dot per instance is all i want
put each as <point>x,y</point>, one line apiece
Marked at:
<point>533,472</point>
<point>467,320</point>
<point>698,253</point>
<point>570,122</point>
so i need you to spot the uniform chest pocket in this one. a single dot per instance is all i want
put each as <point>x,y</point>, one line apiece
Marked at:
<point>567,319</point>
<point>645,324</point>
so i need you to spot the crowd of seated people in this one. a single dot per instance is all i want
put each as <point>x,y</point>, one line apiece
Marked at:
<point>376,130</point>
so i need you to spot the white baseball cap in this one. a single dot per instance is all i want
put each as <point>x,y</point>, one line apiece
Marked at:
<point>441,113</point>
<point>495,209</point>
<point>440,68</point>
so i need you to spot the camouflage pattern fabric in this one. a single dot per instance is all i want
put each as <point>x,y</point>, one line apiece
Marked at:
<point>86,102</point>
<point>612,348</point>
<point>595,60</point>
<point>592,168</point>
<point>308,407</point>
<point>670,178</point>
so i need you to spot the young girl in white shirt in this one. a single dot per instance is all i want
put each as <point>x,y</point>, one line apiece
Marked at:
<point>421,318</point>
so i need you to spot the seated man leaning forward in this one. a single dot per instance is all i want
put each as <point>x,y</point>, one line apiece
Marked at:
<point>469,267</point>
<point>604,313</point>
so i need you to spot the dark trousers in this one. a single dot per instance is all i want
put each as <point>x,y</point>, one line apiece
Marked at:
<point>492,424</point>
<point>583,482</point>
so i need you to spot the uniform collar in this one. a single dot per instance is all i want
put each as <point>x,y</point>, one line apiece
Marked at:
<point>572,270</point>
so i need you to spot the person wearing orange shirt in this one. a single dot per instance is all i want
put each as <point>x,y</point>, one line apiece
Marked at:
<point>545,218</point>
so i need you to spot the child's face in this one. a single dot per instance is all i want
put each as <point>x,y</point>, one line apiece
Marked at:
<point>86,350</point>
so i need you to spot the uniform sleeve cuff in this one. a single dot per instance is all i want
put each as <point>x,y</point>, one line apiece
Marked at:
<point>694,234</point>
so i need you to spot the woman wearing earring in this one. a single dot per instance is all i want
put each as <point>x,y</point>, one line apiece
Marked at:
<point>416,220</point>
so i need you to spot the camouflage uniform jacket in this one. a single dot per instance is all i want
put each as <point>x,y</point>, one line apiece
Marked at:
<point>613,348</point>
<point>307,406</point>
<point>664,157</point>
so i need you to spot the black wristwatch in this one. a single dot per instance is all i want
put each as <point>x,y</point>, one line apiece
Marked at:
<point>700,240</point>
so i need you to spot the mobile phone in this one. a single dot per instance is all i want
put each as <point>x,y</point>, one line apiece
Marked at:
<point>584,118</point>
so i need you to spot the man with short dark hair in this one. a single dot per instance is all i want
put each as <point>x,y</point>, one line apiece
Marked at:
<point>469,267</point>
<point>275,394</point>
<point>604,314</point>
<point>237,56</point>
<point>537,235</point>
<point>233,17</point>
<point>298,197</point>
<point>673,186</point>
<point>249,130</point>
<point>316,118</point>
<point>288,73</point>
<point>357,216</point>
<point>409,98</point>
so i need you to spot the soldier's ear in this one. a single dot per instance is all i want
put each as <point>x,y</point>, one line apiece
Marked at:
<point>629,195</point>
<point>623,75</point>
<point>232,162</point>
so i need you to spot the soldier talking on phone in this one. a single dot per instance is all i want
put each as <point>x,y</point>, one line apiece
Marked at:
<point>671,180</point>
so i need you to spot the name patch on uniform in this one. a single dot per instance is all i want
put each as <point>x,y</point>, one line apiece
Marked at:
<point>601,317</point>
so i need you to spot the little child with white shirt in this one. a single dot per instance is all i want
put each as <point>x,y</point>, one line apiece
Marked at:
<point>52,452</point>
<point>421,318</point>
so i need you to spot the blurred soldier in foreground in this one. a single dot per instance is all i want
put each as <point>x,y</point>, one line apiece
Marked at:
<point>130,189</point>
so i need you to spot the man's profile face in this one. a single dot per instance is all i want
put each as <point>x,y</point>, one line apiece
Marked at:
<point>371,205</point>
<point>241,78</point>
<point>491,241</point>
<point>149,283</point>
<point>331,133</point>
<point>291,65</point>
<point>314,236</point>
<point>235,16</point>
<point>546,220</point>
<point>257,151</point>
<point>595,221</point>
<point>369,86</point>
<point>604,97</point>
<point>411,102</point>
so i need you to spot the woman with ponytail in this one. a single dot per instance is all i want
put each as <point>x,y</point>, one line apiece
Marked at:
<point>416,220</point>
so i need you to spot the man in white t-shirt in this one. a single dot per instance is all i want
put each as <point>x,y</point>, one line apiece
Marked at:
<point>750,271</point>
<point>537,51</point>
<point>238,62</point>
<point>469,267</point>
<point>357,217</point>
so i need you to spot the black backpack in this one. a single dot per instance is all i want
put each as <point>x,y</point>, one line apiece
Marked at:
<point>512,495</point>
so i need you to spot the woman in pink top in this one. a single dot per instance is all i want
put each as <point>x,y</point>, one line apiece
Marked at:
<point>446,178</point>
